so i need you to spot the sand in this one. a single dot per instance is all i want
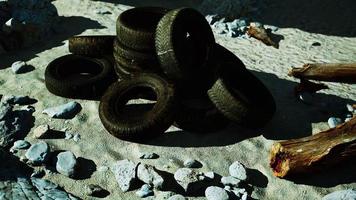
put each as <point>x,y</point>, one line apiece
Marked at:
<point>216,151</point>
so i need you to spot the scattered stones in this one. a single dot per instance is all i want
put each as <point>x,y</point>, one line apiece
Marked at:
<point>66,164</point>
<point>334,121</point>
<point>144,191</point>
<point>41,131</point>
<point>147,155</point>
<point>230,181</point>
<point>192,163</point>
<point>38,153</point>
<point>76,137</point>
<point>148,174</point>
<point>341,195</point>
<point>216,193</point>
<point>125,174</point>
<point>189,179</point>
<point>18,67</point>
<point>68,136</point>
<point>20,144</point>
<point>177,197</point>
<point>68,110</point>
<point>95,191</point>
<point>238,170</point>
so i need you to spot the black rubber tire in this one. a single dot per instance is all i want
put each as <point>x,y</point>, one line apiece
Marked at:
<point>152,123</point>
<point>136,27</point>
<point>198,114</point>
<point>63,76</point>
<point>179,57</point>
<point>93,45</point>
<point>241,96</point>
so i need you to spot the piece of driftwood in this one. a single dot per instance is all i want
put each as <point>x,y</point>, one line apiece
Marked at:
<point>316,152</point>
<point>337,72</point>
<point>260,33</point>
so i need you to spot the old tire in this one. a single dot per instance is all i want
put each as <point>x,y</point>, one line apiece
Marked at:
<point>181,58</point>
<point>75,76</point>
<point>241,96</point>
<point>136,27</point>
<point>95,45</point>
<point>149,124</point>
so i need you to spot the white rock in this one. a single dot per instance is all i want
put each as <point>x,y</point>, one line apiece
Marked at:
<point>66,163</point>
<point>18,67</point>
<point>148,174</point>
<point>209,175</point>
<point>349,108</point>
<point>125,174</point>
<point>63,111</point>
<point>230,180</point>
<point>216,193</point>
<point>334,121</point>
<point>144,191</point>
<point>189,179</point>
<point>244,196</point>
<point>38,153</point>
<point>238,170</point>
<point>68,136</point>
<point>21,144</point>
<point>76,137</point>
<point>41,130</point>
<point>341,195</point>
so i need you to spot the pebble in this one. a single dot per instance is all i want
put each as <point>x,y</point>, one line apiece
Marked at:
<point>177,197</point>
<point>216,193</point>
<point>349,194</point>
<point>147,155</point>
<point>192,163</point>
<point>350,108</point>
<point>76,137</point>
<point>209,175</point>
<point>148,174</point>
<point>38,153</point>
<point>68,136</point>
<point>63,111</point>
<point>21,144</point>
<point>125,174</point>
<point>41,131</point>
<point>94,190</point>
<point>144,191</point>
<point>230,181</point>
<point>189,179</point>
<point>18,67</point>
<point>66,164</point>
<point>334,121</point>
<point>238,170</point>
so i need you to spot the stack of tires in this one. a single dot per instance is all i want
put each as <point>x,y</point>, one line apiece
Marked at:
<point>170,57</point>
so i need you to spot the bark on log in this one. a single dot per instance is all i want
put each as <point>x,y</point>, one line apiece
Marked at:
<point>315,152</point>
<point>345,73</point>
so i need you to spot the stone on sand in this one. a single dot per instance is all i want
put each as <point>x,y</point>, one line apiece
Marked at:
<point>41,131</point>
<point>230,181</point>
<point>216,193</point>
<point>144,191</point>
<point>67,164</point>
<point>63,111</point>
<point>38,153</point>
<point>238,170</point>
<point>125,174</point>
<point>149,174</point>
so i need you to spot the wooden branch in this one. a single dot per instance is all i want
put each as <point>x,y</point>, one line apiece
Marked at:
<point>345,73</point>
<point>315,152</point>
<point>260,33</point>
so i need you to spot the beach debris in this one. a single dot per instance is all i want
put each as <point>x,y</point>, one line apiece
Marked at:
<point>192,163</point>
<point>76,137</point>
<point>125,174</point>
<point>20,144</point>
<point>38,153</point>
<point>332,72</point>
<point>341,195</point>
<point>177,197</point>
<point>67,110</point>
<point>230,181</point>
<point>67,164</point>
<point>68,135</point>
<point>316,152</point>
<point>189,179</point>
<point>216,193</point>
<point>38,173</point>
<point>95,191</point>
<point>21,100</point>
<point>148,155</point>
<point>238,171</point>
<point>334,121</point>
<point>257,31</point>
<point>19,67</point>
<point>149,174</point>
<point>41,131</point>
<point>145,191</point>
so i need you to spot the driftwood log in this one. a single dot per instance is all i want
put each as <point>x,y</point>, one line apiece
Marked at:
<point>314,152</point>
<point>344,73</point>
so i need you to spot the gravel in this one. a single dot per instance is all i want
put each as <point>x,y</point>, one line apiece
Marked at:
<point>149,174</point>
<point>125,174</point>
<point>38,153</point>
<point>68,110</point>
<point>67,164</point>
<point>216,193</point>
<point>238,170</point>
